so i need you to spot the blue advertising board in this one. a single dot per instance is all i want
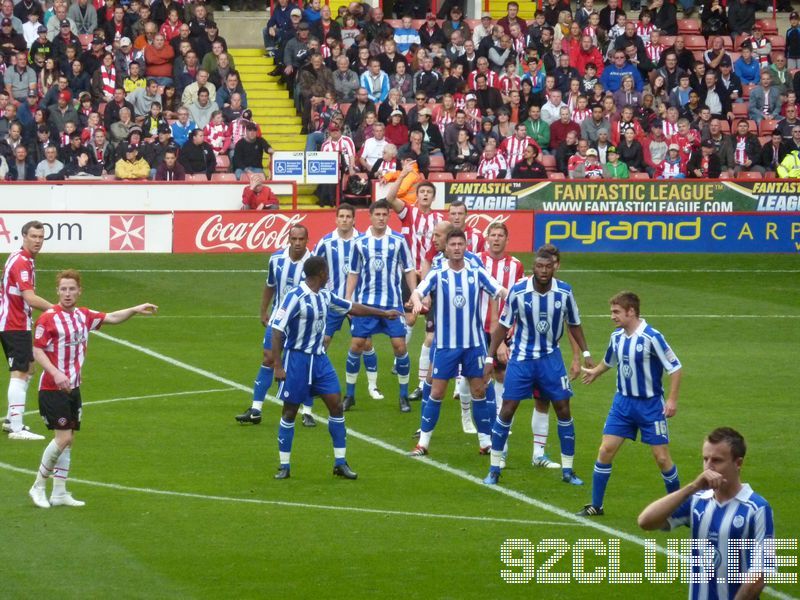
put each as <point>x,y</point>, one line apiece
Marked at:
<point>665,232</point>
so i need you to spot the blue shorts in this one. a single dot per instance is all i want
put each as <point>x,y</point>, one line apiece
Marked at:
<point>268,337</point>
<point>307,375</point>
<point>547,375</point>
<point>333,323</point>
<point>366,327</point>
<point>629,415</point>
<point>447,360</point>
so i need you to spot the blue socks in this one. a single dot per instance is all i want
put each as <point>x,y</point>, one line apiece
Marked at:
<point>403,366</point>
<point>600,477</point>
<point>370,361</point>
<point>285,438</point>
<point>480,411</point>
<point>491,404</point>
<point>262,383</point>
<point>338,435</point>
<point>671,481</point>
<point>352,367</point>
<point>430,414</point>
<point>500,431</point>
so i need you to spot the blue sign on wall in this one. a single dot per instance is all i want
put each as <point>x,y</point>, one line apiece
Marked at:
<point>767,233</point>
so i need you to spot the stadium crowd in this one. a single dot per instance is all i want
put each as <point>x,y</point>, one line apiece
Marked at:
<point>125,90</point>
<point>132,90</point>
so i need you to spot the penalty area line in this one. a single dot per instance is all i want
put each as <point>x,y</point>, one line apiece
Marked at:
<point>281,503</point>
<point>519,496</point>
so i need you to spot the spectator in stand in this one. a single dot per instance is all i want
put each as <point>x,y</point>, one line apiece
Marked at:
<point>101,151</point>
<point>730,81</point>
<point>566,150</point>
<point>723,145</point>
<point>372,149</point>
<point>672,167</point>
<point>430,32</point>
<point>537,129</point>
<point>257,196</point>
<point>143,98</point>
<point>189,95</point>
<point>780,74</point>
<point>529,167</point>
<point>551,110</point>
<point>746,149</point>
<point>704,163</point>
<point>355,114</point>
<point>375,81</point>
<point>81,166</point>
<point>584,54</point>
<point>248,154</point>
<point>627,95</point>
<point>765,100</point>
<point>590,127</point>
<point>590,167</point>
<point>197,156</point>
<point>746,67</point>
<point>21,168</point>
<point>431,135</point>
<point>158,59</point>
<point>560,128</point>
<point>405,36</point>
<point>462,156</point>
<point>201,111</point>
<point>631,152</point>
<point>84,15</point>
<point>182,128</point>
<point>773,152</point>
<point>614,73</point>
<point>385,164</point>
<point>492,164</point>
<point>279,20</point>
<point>170,169</point>
<point>614,167</point>
<point>715,19</point>
<point>790,166</point>
<point>793,42</point>
<point>345,80</point>
<point>789,123</point>
<point>132,166</point>
<point>396,130</point>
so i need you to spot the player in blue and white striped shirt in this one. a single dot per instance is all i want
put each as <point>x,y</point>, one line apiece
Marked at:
<point>719,508</point>
<point>337,249</point>
<point>641,355</point>
<point>540,308</point>
<point>458,336</point>
<point>380,258</point>
<point>285,271</point>
<point>305,370</point>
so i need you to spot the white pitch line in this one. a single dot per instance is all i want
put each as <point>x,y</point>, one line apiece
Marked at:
<point>225,271</point>
<point>603,316</point>
<point>232,499</point>
<point>129,398</point>
<point>519,496</point>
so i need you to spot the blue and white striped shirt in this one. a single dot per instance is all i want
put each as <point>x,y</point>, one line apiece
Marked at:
<point>284,274</point>
<point>458,304</point>
<point>336,251</point>
<point>641,360</point>
<point>380,264</point>
<point>747,516</point>
<point>539,318</point>
<point>473,260</point>
<point>301,316</point>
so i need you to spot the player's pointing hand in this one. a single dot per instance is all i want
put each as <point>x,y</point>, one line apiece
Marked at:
<point>589,375</point>
<point>146,309</point>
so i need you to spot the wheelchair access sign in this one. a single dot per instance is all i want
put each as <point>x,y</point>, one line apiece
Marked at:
<point>322,167</point>
<point>288,166</point>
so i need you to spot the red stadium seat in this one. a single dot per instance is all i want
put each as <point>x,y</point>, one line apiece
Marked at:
<point>668,40</point>
<point>770,175</point>
<point>724,126</point>
<point>689,27</point>
<point>444,176</point>
<point>640,175</point>
<point>746,89</point>
<point>86,40</point>
<point>223,177</point>
<point>196,177</point>
<point>109,177</point>
<point>734,56</point>
<point>737,44</point>
<point>223,163</point>
<point>778,42</point>
<point>749,175</point>
<point>753,128</point>
<point>725,175</point>
<point>767,126</point>
<point>555,175</point>
<point>548,161</point>
<point>437,163</point>
<point>344,107</point>
<point>698,55</point>
<point>768,26</point>
<point>467,176</point>
<point>695,42</point>
<point>739,110</point>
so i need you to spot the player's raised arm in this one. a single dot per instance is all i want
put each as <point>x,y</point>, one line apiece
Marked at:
<point>120,316</point>
<point>657,514</point>
<point>37,302</point>
<point>361,310</point>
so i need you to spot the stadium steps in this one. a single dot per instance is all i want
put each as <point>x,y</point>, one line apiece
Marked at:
<point>273,110</point>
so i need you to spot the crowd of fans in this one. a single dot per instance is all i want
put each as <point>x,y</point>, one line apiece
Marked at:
<point>131,90</point>
<point>120,89</point>
<point>590,93</point>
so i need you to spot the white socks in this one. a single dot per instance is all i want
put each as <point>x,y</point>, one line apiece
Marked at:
<point>61,473</point>
<point>540,424</point>
<point>50,456</point>
<point>464,394</point>
<point>17,390</point>
<point>424,365</point>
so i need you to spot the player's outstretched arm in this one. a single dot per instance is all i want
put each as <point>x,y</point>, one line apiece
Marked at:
<point>120,316</point>
<point>416,302</point>
<point>671,405</point>
<point>361,310</point>
<point>35,301</point>
<point>656,514</point>
<point>590,374</point>
<point>61,380</point>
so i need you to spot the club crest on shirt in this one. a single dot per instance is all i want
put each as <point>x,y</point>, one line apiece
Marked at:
<point>557,304</point>
<point>639,347</point>
<point>24,276</point>
<point>738,521</point>
<point>39,331</point>
<point>459,301</point>
<point>471,279</point>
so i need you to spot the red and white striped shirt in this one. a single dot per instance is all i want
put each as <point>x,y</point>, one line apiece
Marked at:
<point>443,119</point>
<point>579,116</point>
<point>653,51</point>
<point>489,168</point>
<point>492,80</point>
<point>513,148</point>
<point>669,129</point>
<point>508,83</point>
<point>418,230</point>
<point>508,271</point>
<point>476,243</point>
<point>19,275</point>
<point>63,335</point>
<point>644,31</point>
<point>218,136</point>
<point>108,77</point>
<point>344,146</point>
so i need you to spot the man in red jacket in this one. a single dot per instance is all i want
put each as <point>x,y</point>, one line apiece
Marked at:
<point>158,57</point>
<point>585,53</point>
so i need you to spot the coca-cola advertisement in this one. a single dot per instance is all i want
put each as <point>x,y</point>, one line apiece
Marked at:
<point>255,231</point>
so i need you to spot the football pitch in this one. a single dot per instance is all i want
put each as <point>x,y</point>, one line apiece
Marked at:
<point>181,502</point>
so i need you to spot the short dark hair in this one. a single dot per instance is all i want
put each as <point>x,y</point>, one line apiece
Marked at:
<point>552,249</point>
<point>626,300</point>
<point>299,226</point>
<point>31,225</point>
<point>315,266</point>
<point>346,207</point>
<point>459,203</point>
<point>730,436</point>
<point>427,184</point>
<point>382,203</point>
<point>456,233</point>
<point>545,254</point>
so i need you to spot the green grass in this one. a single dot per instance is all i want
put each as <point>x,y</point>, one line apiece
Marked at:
<point>133,543</point>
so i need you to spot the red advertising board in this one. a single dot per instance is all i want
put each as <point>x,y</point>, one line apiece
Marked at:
<point>251,231</point>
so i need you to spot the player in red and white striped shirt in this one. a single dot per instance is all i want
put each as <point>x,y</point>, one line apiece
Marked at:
<point>17,298</point>
<point>513,147</point>
<point>476,243</point>
<point>60,340</point>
